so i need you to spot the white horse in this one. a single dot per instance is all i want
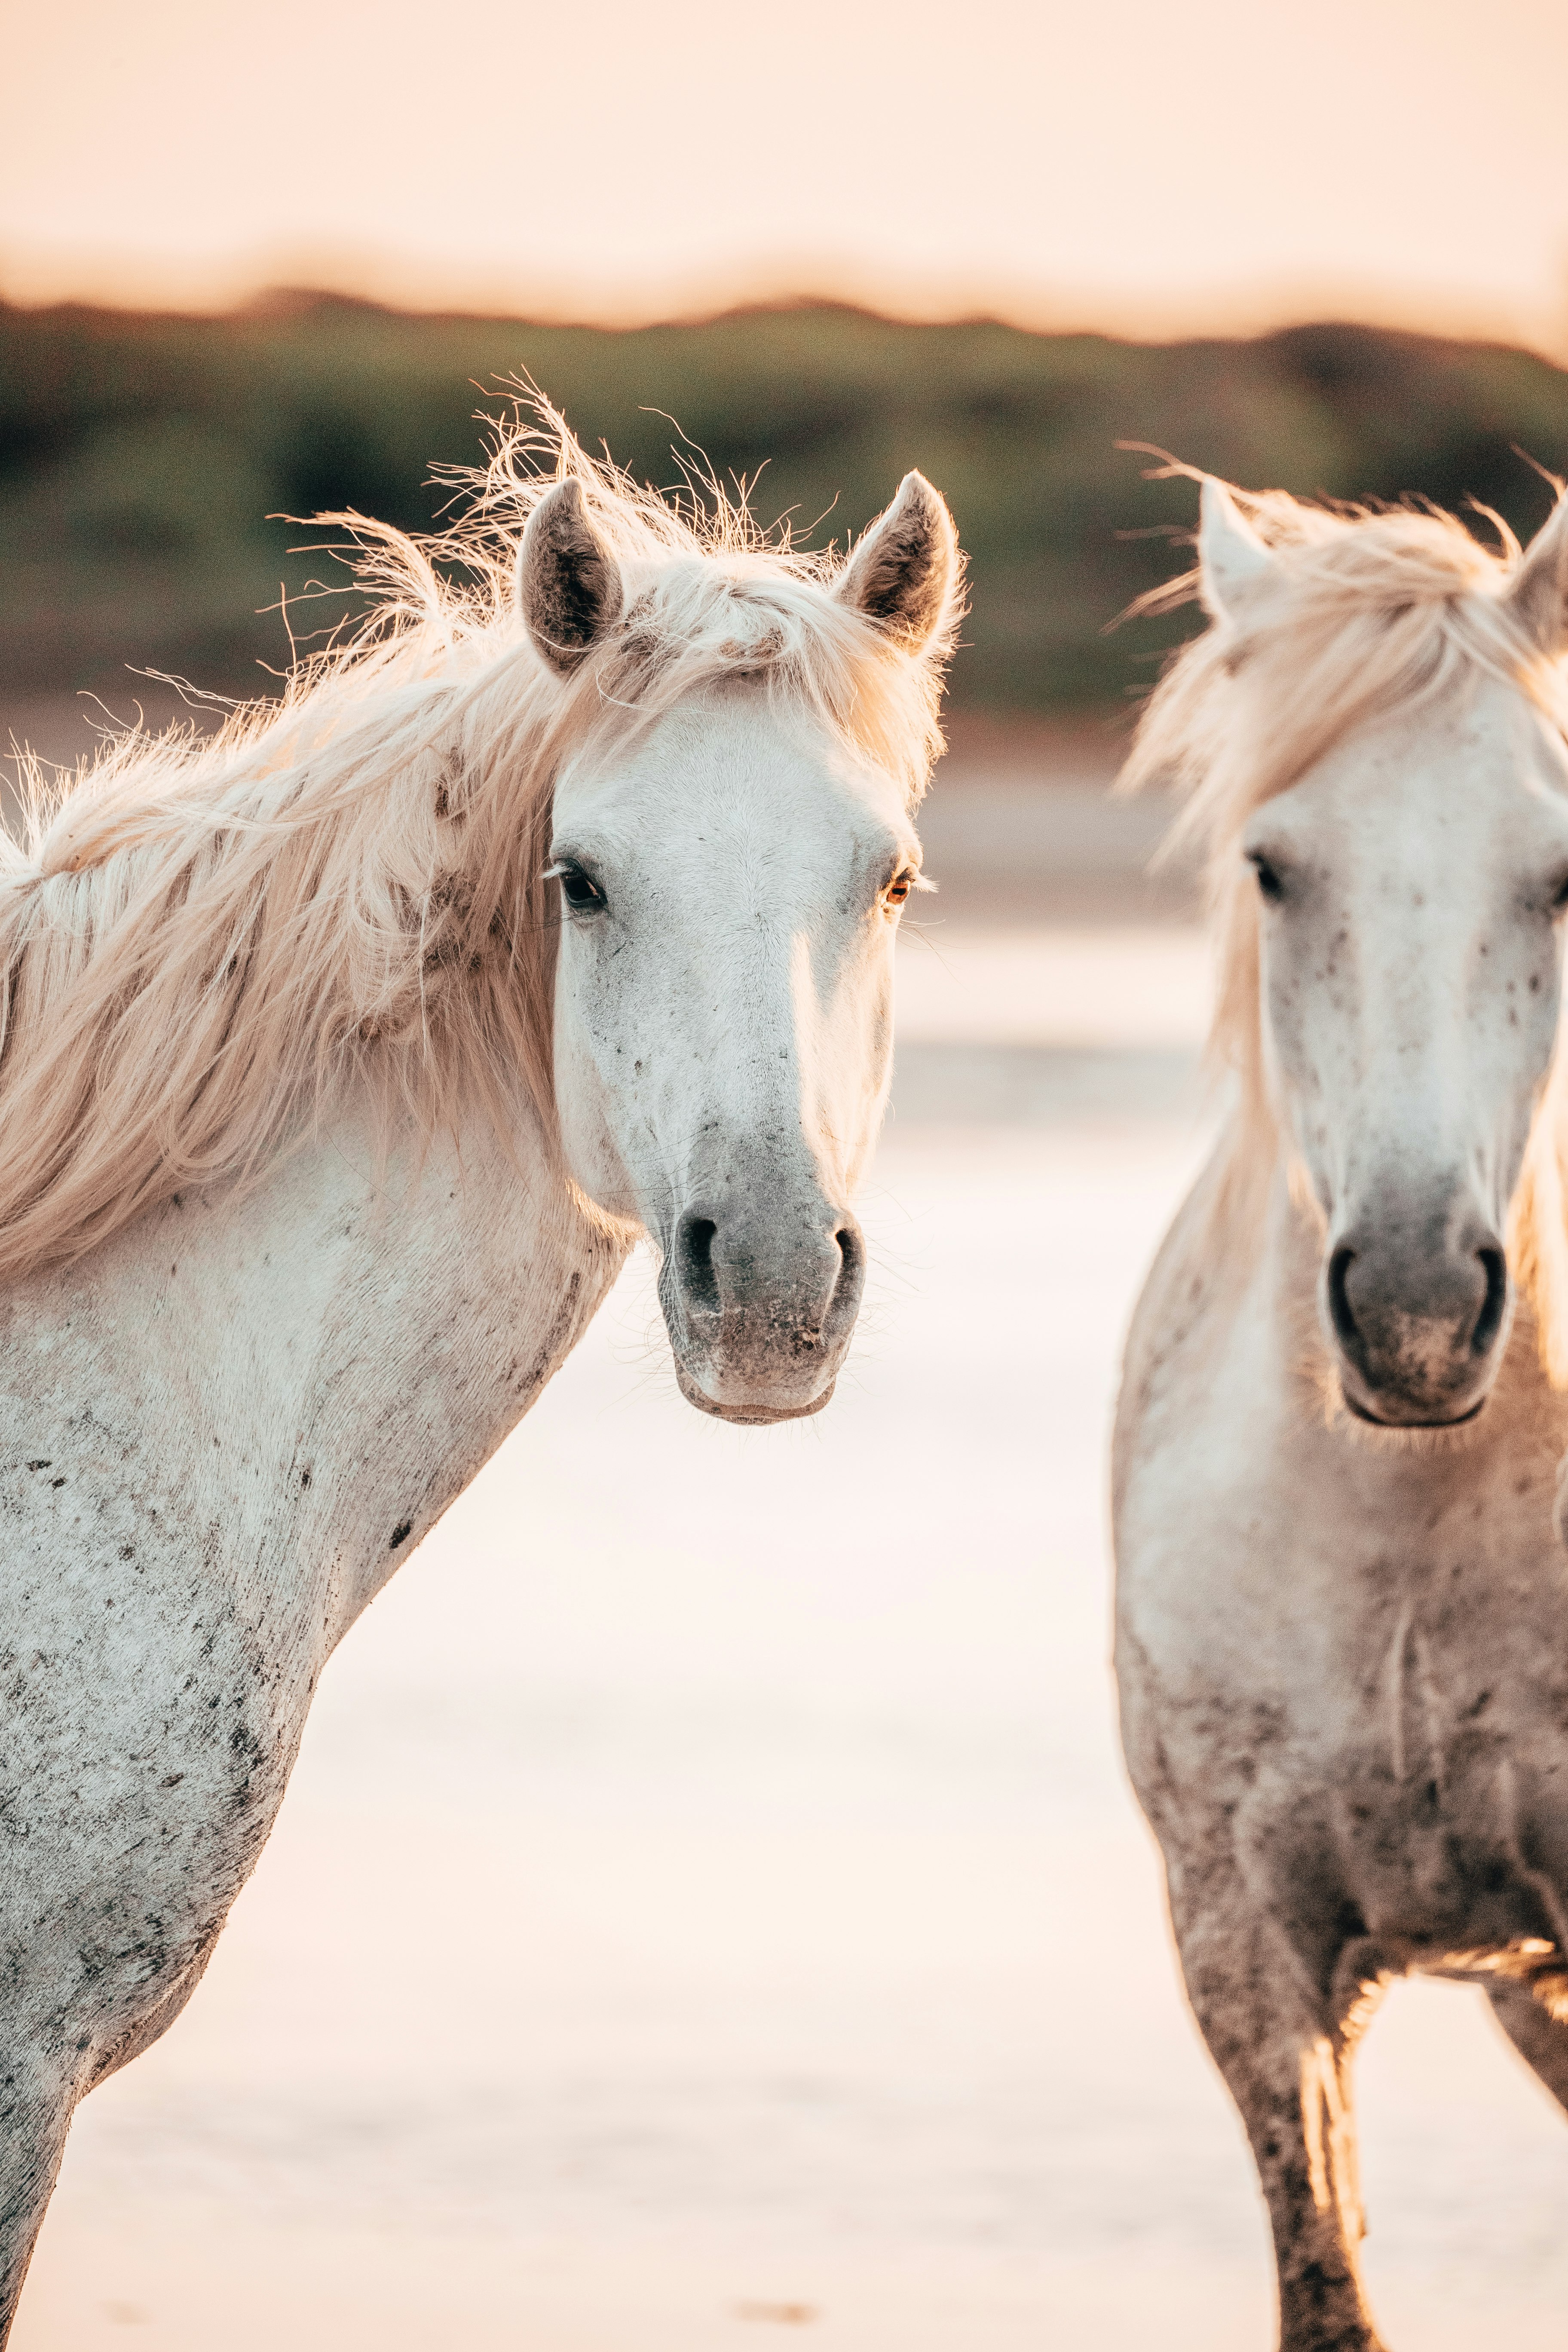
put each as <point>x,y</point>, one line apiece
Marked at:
<point>317,1151</point>
<point>1342,1615</point>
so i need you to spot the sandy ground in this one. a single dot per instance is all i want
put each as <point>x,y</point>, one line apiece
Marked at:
<point>709,1903</point>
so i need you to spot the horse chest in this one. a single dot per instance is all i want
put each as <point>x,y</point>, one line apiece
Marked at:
<point>1410,1769</point>
<point>1349,1676</point>
<point>1434,1852</point>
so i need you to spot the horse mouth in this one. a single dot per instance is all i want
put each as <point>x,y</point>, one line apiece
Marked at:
<point>1377,1421</point>
<point>750,1416</point>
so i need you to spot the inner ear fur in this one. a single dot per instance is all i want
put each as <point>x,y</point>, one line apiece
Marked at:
<point>905,571</point>
<point>1232,562</point>
<point>1539,591</point>
<point>569,587</point>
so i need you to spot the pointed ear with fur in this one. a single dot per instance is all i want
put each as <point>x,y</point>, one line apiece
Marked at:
<point>1232,562</point>
<point>905,571</point>
<point>1538,593</point>
<point>568,583</point>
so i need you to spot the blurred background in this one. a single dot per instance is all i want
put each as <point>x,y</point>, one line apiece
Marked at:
<point>145,458</point>
<point>684,1925</point>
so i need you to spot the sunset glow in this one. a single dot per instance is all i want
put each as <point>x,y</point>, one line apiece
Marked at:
<point>1144,168</point>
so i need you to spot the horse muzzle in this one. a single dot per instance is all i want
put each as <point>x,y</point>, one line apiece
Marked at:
<point>761,1311</point>
<point>1418,1320</point>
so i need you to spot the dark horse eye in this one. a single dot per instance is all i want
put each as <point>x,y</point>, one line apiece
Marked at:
<point>578,889</point>
<point>1269,880</point>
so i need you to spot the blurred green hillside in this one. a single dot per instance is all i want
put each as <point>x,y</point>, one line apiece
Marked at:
<point>141,456</point>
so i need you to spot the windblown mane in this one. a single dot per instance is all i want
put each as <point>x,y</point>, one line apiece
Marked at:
<point>205,939</point>
<point>1369,614</point>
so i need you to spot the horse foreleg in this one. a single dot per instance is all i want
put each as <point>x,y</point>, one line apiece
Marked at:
<point>1538,2036</point>
<point>1285,2055</point>
<point>36,2102</point>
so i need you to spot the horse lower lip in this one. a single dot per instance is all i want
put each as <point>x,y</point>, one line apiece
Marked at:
<point>1376,1420</point>
<point>757,1415</point>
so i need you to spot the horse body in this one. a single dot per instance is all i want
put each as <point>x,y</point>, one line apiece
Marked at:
<point>1342,1611</point>
<point>275,1291</point>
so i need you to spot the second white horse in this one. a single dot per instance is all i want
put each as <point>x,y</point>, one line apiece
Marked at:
<point>1342,1614</point>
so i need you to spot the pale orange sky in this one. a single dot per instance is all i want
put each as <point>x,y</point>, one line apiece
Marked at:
<point>1151,165</point>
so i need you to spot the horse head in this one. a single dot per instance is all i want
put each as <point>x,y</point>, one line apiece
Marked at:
<point>1409,883</point>
<point>731,870</point>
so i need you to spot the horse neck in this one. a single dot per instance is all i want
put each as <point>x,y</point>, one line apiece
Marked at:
<point>1238,1267</point>
<point>300,1379</point>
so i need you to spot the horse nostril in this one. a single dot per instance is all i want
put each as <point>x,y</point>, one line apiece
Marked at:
<point>1340,1309</point>
<point>694,1243</point>
<point>1489,1323</point>
<point>843,1302</point>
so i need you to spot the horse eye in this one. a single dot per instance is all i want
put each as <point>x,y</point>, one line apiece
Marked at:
<point>1558,899</point>
<point>899,889</point>
<point>579,891</point>
<point>1269,880</point>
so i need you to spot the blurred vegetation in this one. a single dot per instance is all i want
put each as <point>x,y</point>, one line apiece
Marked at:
<point>140,457</point>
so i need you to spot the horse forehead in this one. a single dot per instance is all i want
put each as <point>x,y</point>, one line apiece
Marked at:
<point>1459,790</point>
<point>733,778</point>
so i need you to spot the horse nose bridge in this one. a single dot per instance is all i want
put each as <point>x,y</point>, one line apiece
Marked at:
<point>792,1069</point>
<point>1422,1219</point>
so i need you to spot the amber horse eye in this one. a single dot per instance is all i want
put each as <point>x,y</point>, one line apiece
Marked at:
<point>898,889</point>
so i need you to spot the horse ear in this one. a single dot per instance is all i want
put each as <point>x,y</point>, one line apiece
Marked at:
<point>905,571</point>
<point>568,583</point>
<point>1537,593</point>
<point>1232,562</point>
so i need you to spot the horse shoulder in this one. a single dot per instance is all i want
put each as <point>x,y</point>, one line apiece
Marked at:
<point>1208,1416</point>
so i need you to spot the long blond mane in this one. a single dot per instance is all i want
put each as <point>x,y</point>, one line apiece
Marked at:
<point>1367,614</point>
<point>204,940</point>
